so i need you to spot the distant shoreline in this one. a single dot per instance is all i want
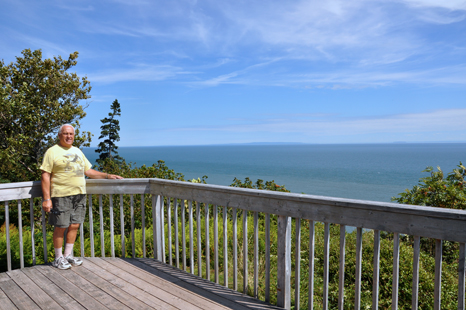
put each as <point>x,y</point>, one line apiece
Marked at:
<point>294,143</point>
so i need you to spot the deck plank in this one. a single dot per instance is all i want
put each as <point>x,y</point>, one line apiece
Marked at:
<point>111,289</point>
<point>5,302</point>
<point>16,295</point>
<point>211,291</point>
<point>128,289</point>
<point>96,292</point>
<point>51,289</point>
<point>55,275</point>
<point>153,286</point>
<point>197,302</point>
<point>33,290</point>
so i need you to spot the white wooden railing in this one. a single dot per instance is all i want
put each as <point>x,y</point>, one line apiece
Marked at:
<point>173,199</point>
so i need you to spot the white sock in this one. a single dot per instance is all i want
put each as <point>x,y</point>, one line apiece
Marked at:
<point>68,249</point>
<point>58,252</point>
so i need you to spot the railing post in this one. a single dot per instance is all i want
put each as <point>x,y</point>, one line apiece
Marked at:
<point>284,262</point>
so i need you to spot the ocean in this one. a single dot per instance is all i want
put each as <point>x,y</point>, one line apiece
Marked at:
<point>374,172</point>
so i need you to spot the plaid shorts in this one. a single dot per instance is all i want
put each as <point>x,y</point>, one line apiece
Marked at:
<point>68,210</point>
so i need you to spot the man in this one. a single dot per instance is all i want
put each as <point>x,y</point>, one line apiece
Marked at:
<point>64,193</point>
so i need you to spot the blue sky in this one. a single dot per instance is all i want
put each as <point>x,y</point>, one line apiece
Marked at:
<point>192,72</point>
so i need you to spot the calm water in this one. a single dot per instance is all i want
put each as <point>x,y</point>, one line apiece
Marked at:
<point>366,171</point>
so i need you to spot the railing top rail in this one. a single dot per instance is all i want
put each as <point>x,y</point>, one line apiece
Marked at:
<point>304,198</point>
<point>20,190</point>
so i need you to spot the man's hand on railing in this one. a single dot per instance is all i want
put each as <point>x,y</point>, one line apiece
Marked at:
<point>47,205</point>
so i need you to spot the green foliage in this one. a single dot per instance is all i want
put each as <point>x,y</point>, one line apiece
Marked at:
<point>27,246</point>
<point>110,129</point>
<point>269,185</point>
<point>127,170</point>
<point>37,97</point>
<point>436,190</point>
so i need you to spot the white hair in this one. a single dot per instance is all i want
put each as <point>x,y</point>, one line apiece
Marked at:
<point>61,128</point>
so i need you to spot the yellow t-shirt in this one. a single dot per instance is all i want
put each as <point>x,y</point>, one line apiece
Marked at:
<point>67,166</point>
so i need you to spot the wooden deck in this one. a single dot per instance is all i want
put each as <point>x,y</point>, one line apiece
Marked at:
<point>115,283</point>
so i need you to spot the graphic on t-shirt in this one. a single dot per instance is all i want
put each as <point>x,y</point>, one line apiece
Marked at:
<point>74,164</point>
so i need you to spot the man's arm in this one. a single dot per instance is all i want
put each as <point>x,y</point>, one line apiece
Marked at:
<point>45,183</point>
<point>94,174</point>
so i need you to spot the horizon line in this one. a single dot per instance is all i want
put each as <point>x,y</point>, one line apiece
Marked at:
<point>295,143</point>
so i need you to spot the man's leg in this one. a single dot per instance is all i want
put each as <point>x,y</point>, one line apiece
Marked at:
<point>59,262</point>
<point>58,235</point>
<point>70,239</point>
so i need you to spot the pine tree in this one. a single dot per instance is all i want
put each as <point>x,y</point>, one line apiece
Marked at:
<point>109,131</point>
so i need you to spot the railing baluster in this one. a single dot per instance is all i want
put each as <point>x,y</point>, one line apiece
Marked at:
<point>267,257</point>
<point>199,248</point>
<point>245,251</point>
<point>44,234</point>
<point>461,276</point>
<point>91,227</point>
<point>357,294</point>
<point>235,248</point>
<point>143,226</point>
<point>256,254</point>
<point>177,239</point>
<point>284,261</point>
<point>326,263</point>
<point>101,216</point>
<point>416,255</point>
<point>438,275</point>
<point>183,233</point>
<point>396,270</point>
<point>20,231</point>
<point>169,231</point>
<point>112,241</point>
<point>81,236</point>
<point>225,247</point>
<point>216,243</point>
<point>7,232</point>
<point>207,242</point>
<point>297,263</point>
<point>33,242</point>
<point>122,227</point>
<point>376,273</point>
<point>341,283</point>
<point>162,226</point>
<point>311,264</point>
<point>133,249</point>
<point>158,224</point>
<point>154,224</point>
<point>191,238</point>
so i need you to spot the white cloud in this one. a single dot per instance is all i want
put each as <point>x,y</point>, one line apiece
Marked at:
<point>328,125</point>
<point>450,4</point>
<point>138,73</point>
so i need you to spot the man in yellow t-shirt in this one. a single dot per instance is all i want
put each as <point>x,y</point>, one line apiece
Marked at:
<point>64,193</point>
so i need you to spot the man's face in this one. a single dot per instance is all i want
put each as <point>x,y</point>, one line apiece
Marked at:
<point>66,136</point>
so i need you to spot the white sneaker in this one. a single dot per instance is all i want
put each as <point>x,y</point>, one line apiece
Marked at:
<point>61,263</point>
<point>75,261</point>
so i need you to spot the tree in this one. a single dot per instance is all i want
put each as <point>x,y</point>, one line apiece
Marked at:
<point>110,128</point>
<point>436,190</point>
<point>37,97</point>
<point>269,185</point>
